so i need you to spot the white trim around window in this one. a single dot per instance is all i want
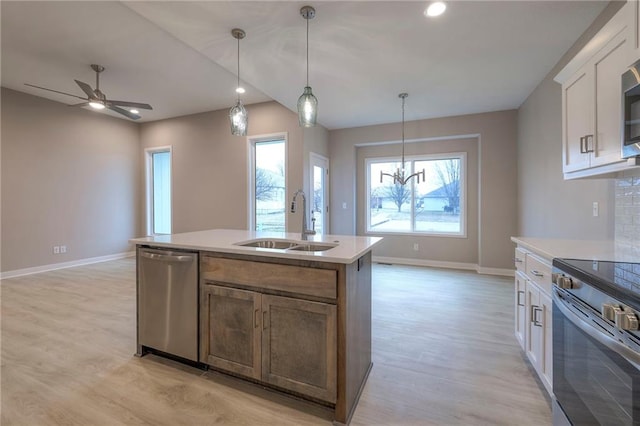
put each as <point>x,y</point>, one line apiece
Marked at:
<point>251,166</point>
<point>460,210</point>
<point>149,199</point>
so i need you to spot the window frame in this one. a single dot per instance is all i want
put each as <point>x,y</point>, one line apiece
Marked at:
<point>251,167</point>
<point>462,156</point>
<point>148,152</point>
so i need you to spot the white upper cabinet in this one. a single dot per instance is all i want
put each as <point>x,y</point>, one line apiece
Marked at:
<point>592,100</point>
<point>577,100</point>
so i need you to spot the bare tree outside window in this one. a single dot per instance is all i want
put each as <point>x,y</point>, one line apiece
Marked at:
<point>265,185</point>
<point>399,194</point>
<point>448,172</point>
<point>269,185</point>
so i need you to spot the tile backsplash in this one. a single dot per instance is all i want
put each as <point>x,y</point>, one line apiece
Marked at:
<point>627,208</point>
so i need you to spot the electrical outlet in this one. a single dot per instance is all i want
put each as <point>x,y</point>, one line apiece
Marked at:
<point>56,249</point>
<point>344,205</point>
<point>63,249</point>
<point>596,209</point>
<point>416,246</point>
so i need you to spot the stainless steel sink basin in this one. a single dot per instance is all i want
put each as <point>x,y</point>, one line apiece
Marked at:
<point>272,244</point>
<point>313,247</point>
<point>281,244</point>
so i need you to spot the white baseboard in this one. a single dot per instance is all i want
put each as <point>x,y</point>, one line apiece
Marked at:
<point>63,265</point>
<point>443,264</point>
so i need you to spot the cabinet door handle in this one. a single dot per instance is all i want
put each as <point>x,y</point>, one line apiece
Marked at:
<point>590,146</point>
<point>583,150</point>
<point>536,273</point>
<point>515,259</point>
<point>520,292</point>
<point>264,320</point>
<point>255,318</point>
<point>534,318</point>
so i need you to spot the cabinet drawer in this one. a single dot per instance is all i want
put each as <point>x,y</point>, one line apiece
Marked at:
<point>539,271</point>
<point>519,259</point>
<point>292,279</point>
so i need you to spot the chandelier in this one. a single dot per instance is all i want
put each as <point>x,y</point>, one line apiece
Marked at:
<point>398,176</point>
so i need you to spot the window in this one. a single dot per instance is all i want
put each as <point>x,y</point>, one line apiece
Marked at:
<point>435,206</point>
<point>158,171</point>
<point>267,183</point>
<point>319,166</point>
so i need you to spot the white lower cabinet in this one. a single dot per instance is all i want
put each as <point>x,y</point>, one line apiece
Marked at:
<point>533,316</point>
<point>520,307</point>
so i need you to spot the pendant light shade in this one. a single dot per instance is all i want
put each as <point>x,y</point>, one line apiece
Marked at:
<point>238,118</point>
<point>307,108</point>
<point>307,103</point>
<point>238,114</point>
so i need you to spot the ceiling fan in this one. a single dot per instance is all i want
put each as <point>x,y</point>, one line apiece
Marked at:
<point>98,100</point>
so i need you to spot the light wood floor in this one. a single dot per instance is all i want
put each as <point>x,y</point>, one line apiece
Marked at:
<point>444,353</point>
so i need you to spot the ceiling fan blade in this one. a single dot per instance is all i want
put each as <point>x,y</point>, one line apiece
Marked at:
<point>51,90</point>
<point>130,104</point>
<point>81,104</point>
<point>85,88</point>
<point>123,112</point>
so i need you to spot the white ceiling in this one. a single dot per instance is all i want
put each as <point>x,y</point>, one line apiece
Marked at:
<point>181,58</point>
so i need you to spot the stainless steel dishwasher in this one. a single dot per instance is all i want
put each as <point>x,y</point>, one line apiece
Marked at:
<point>168,302</point>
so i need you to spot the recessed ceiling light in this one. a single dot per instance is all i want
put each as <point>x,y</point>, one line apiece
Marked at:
<point>240,90</point>
<point>436,8</point>
<point>134,111</point>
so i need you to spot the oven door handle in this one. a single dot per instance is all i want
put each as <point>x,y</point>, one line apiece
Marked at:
<point>628,354</point>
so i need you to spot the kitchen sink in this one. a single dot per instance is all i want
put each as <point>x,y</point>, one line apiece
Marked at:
<point>282,244</point>
<point>313,247</point>
<point>270,243</point>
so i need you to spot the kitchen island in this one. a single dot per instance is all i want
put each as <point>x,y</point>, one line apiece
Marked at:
<point>282,312</point>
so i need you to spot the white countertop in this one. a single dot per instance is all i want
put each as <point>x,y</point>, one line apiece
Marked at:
<point>604,250</point>
<point>348,250</point>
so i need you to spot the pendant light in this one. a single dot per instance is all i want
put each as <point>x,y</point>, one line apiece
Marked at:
<point>307,103</point>
<point>238,114</point>
<point>399,175</point>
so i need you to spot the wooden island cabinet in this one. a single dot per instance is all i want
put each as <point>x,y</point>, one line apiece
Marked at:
<point>285,313</point>
<point>299,326</point>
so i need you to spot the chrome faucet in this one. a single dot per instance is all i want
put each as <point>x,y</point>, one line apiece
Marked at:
<point>305,232</point>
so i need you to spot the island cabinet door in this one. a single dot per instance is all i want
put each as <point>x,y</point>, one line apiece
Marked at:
<point>299,346</point>
<point>230,330</point>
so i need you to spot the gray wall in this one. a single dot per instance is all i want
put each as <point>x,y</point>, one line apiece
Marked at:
<point>210,165</point>
<point>549,206</point>
<point>441,249</point>
<point>68,178</point>
<point>496,179</point>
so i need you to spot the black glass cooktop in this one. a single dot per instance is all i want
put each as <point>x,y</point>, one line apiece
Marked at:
<point>620,280</point>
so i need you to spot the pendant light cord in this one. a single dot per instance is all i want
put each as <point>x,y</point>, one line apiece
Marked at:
<point>307,19</point>
<point>402,135</point>
<point>238,86</point>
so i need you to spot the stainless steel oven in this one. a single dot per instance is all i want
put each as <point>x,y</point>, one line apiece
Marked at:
<point>631,111</point>
<point>596,343</point>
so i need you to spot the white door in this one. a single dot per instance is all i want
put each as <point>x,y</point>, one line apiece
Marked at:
<point>319,193</point>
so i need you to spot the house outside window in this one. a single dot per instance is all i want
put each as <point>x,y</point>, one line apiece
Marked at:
<point>435,206</point>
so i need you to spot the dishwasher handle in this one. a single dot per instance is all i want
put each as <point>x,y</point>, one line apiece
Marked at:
<point>166,257</point>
